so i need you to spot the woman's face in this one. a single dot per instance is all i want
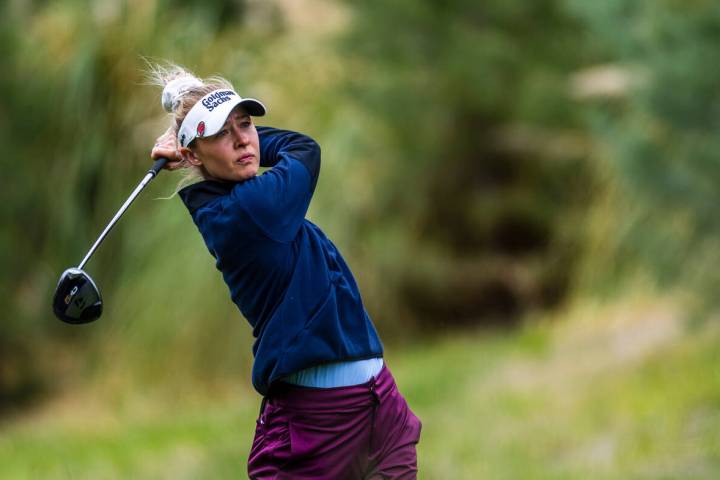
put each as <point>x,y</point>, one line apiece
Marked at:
<point>232,154</point>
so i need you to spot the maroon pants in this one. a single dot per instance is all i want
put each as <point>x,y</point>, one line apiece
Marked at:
<point>364,431</point>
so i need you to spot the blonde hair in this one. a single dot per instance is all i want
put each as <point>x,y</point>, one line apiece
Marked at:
<point>181,91</point>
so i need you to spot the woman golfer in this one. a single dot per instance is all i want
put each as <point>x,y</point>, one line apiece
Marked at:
<point>330,408</point>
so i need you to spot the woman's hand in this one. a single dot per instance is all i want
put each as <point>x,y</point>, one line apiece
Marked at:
<point>166,146</point>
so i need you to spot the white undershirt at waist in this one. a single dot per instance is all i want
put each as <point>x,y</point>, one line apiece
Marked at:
<point>340,374</point>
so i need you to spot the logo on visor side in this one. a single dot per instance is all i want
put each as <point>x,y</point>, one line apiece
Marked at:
<point>217,98</point>
<point>201,129</point>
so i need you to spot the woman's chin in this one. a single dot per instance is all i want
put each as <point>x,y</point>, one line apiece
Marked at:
<point>246,172</point>
<point>253,169</point>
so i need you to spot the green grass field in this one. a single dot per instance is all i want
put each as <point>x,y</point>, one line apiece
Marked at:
<point>624,392</point>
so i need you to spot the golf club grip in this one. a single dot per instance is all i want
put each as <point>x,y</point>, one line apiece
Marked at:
<point>158,165</point>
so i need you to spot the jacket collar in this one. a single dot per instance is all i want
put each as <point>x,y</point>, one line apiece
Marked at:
<point>198,194</point>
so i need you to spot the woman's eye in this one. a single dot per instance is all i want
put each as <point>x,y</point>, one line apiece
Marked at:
<point>245,124</point>
<point>222,133</point>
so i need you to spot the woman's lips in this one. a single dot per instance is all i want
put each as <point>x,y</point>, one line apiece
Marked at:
<point>246,159</point>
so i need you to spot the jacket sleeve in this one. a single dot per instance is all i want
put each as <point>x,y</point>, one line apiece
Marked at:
<point>278,200</point>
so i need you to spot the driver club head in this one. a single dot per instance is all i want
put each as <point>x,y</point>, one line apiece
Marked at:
<point>77,299</point>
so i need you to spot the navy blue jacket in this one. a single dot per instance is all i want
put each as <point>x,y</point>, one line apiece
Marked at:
<point>286,277</point>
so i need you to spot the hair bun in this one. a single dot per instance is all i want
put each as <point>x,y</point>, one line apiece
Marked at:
<point>174,89</point>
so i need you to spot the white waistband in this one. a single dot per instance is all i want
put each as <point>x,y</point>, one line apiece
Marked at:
<point>340,374</point>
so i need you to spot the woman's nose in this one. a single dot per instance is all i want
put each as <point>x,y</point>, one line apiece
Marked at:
<point>241,138</point>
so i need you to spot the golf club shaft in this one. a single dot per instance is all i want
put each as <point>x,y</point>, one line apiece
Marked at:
<point>159,163</point>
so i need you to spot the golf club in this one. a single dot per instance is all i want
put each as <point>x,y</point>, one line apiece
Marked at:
<point>77,298</point>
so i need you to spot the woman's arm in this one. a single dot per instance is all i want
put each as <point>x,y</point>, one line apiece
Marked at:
<point>276,145</point>
<point>277,200</point>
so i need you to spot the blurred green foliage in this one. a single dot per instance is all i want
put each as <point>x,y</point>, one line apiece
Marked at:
<point>482,180</point>
<point>482,161</point>
<point>659,143</point>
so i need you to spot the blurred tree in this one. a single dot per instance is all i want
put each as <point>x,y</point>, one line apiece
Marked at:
<point>220,13</point>
<point>481,194</point>
<point>659,140</point>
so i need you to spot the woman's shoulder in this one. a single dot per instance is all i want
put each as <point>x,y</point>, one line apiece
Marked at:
<point>200,194</point>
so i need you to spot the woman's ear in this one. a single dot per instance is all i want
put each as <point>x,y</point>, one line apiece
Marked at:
<point>189,156</point>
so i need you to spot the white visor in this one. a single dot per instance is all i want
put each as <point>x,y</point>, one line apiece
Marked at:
<point>208,115</point>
